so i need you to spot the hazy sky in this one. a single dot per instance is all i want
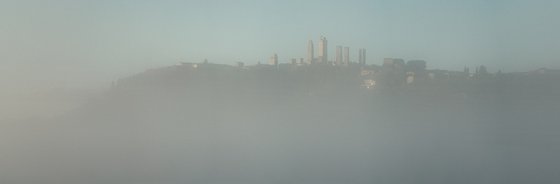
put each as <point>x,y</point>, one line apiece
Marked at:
<point>78,43</point>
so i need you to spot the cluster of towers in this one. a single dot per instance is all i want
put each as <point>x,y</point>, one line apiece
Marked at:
<point>342,53</point>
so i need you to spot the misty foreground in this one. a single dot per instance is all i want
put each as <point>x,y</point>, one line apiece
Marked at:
<point>173,127</point>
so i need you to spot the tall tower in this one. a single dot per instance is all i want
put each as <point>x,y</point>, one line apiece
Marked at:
<point>338,59</point>
<point>274,60</point>
<point>346,55</point>
<point>310,53</point>
<point>323,58</point>
<point>362,57</point>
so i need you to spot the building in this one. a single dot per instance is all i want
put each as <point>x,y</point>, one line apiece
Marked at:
<point>416,70</point>
<point>368,76</point>
<point>410,77</point>
<point>368,83</point>
<point>362,56</point>
<point>416,66</point>
<point>274,60</point>
<point>310,52</point>
<point>338,59</point>
<point>394,63</point>
<point>323,57</point>
<point>346,55</point>
<point>393,72</point>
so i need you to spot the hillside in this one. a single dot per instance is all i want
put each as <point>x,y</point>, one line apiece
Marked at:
<point>225,125</point>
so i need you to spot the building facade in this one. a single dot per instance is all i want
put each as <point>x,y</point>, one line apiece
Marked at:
<point>310,52</point>
<point>323,57</point>
<point>346,55</point>
<point>338,59</point>
<point>274,60</point>
<point>362,56</point>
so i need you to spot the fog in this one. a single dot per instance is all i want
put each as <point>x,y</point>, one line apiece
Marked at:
<point>185,92</point>
<point>183,125</point>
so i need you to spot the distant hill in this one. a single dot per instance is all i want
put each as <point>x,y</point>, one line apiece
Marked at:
<point>223,124</point>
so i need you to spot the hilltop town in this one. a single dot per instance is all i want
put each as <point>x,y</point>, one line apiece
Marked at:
<point>318,75</point>
<point>392,76</point>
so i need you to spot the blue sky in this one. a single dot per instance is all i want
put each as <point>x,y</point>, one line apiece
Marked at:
<point>99,41</point>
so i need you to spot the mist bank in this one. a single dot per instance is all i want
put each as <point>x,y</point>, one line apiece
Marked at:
<point>262,126</point>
